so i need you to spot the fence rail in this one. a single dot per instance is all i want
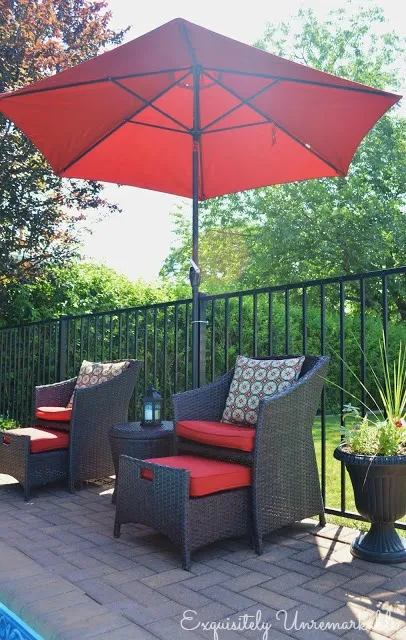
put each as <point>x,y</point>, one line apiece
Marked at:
<point>343,317</point>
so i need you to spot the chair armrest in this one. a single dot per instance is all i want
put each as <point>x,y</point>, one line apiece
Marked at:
<point>205,403</point>
<point>17,442</point>
<point>162,501</point>
<point>95,410</point>
<point>287,417</point>
<point>286,484</point>
<point>54,395</point>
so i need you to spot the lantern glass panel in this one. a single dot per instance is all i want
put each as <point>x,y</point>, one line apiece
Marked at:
<point>152,407</point>
<point>148,411</point>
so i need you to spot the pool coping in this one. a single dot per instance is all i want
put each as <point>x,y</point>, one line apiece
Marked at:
<point>58,610</point>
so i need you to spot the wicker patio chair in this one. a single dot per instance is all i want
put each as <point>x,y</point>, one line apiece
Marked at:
<point>88,455</point>
<point>285,478</point>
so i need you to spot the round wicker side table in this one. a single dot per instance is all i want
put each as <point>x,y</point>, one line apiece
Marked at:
<point>132,439</point>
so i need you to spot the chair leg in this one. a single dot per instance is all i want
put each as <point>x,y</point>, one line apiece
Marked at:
<point>322,519</point>
<point>187,562</point>
<point>117,529</point>
<point>26,492</point>
<point>256,536</point>
<point>71,485</point>
<point>256,542</point>
<point>258,546</point>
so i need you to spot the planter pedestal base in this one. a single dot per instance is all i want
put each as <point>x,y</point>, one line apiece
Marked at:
<point>381,543</point>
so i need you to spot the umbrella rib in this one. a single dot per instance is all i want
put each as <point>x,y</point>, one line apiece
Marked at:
<point>309,149</point>
<point>121,124</point>
<point>157,126</point>
<point>96,144</point>
<point>242,103</point>
<point>149,103</point>
<point>282,128</point>
<point>237,126</point>
<point>328,85</point>
<point>201,167</point>
<point>185,36</point>
<point>70,85</point>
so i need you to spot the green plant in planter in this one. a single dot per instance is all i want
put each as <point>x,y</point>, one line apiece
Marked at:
<point>385,433</point>
<point>374,438</point>
<point>374,453</point>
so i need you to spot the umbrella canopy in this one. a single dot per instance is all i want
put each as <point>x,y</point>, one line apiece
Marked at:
<point>132,115</point>
<point>188,111</point>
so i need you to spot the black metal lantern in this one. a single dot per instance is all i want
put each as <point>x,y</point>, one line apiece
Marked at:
<point>152,408</point>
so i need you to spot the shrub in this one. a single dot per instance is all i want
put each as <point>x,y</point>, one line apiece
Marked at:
<point>7,423</point>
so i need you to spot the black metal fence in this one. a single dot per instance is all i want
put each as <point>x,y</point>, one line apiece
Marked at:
<point>46,352</point>
<point>344,317</point>
<point>28,357</point>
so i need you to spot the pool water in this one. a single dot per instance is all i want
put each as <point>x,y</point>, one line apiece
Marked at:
<point>13,628</point>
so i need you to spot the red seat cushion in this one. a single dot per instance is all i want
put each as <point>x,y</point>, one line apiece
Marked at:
<point>206,476</point>
<point>42,439</point>
<point>217,433</point>
<point>58,414</point>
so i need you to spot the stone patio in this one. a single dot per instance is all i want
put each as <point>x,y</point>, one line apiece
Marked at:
<point>62,571</point>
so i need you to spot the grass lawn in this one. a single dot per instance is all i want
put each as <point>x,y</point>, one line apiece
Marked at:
<point>333,474</point>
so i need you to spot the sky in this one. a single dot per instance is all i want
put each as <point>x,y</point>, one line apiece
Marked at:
<point>136,241</point>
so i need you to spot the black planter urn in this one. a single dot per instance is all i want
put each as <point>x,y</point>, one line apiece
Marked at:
<point>379,484</point>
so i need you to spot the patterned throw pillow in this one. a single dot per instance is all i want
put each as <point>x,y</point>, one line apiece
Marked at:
<point>92,373</point>
<point>254,380</point>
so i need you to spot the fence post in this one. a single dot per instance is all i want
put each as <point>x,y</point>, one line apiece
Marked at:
<point>202,338</point>
<point>62,347</point>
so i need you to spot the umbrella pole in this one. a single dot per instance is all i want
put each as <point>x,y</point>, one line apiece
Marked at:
<point>194,276</point>
<point>194,273</point>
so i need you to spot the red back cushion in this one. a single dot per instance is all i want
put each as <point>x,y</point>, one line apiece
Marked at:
<point>218,434</point>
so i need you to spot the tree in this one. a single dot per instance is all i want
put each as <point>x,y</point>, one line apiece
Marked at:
<point>324,227</point>
<point>40,212</point>
<point>77,288</point>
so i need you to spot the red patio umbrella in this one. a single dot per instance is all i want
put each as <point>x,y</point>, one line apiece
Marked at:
<point>187,111</point>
